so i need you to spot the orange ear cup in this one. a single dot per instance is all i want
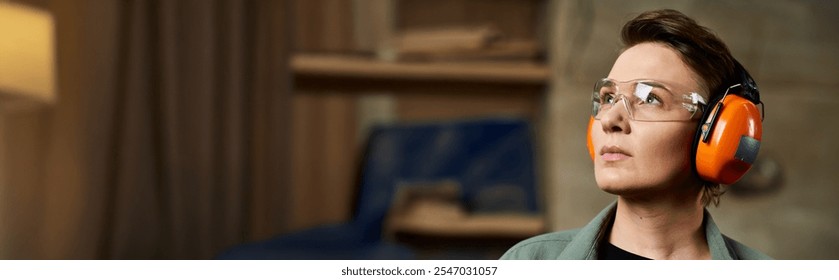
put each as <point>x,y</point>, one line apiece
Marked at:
<point>588,138</point>
<point>733,144</point>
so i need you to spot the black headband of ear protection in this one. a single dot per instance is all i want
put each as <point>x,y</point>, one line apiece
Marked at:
<point>747,84</point>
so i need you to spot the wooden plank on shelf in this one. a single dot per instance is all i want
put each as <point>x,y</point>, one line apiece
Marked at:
<point>503,225</point>
<point>357,67</point>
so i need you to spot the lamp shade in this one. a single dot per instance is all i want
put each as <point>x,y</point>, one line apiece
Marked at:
<point>27,60</point>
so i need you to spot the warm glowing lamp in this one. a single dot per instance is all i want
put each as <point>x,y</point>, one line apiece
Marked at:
<point>27,81</point>
<point>27,60</point>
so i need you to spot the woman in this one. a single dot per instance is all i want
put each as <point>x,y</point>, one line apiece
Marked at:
<point>643,139</point>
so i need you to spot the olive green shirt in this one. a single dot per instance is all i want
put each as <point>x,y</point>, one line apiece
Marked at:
<point>581,243</point>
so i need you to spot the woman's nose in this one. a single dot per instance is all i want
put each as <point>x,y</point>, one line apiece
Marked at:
<point>616,119</point>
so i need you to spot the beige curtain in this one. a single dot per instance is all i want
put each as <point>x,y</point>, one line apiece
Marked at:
<point>170,138</point>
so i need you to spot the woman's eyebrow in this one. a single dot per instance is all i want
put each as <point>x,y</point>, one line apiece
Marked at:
<point>653,83</point>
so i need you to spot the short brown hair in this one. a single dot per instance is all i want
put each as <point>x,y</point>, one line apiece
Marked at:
<point>698,47</point>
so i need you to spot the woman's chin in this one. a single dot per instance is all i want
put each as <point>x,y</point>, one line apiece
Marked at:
<point>626,190</point>
<point>614,183</point>
<point>618,189</point>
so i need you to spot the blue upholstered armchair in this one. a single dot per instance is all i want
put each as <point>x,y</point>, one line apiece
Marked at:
<point>492,161</point>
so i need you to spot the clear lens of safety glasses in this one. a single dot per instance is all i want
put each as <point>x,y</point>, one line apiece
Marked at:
<point>644,100</point>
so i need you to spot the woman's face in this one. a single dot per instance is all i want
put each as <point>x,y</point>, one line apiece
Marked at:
<point>634,157</point>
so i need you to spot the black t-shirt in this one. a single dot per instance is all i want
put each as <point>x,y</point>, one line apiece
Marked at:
<point>612,252</point>
<point>608,251</point>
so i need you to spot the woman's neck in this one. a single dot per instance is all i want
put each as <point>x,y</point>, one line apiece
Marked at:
<point>661,228</point>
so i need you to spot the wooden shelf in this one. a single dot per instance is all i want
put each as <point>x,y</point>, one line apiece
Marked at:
<point>358,67</point>
<point>509,225</point>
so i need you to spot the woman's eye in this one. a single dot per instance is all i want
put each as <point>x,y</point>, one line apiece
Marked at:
<point>608,98</point>
<point>652,99</point>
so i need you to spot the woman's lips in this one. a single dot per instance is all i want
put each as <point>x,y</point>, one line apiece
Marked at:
<point>614,156</point>
<point>613,153</point>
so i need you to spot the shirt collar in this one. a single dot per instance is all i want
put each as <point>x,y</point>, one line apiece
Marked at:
<point>584,244</point>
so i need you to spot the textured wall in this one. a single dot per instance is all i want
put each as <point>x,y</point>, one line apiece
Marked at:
<point>792,50</point>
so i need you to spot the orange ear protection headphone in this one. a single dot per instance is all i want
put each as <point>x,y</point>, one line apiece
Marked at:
<point>729,134</point>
